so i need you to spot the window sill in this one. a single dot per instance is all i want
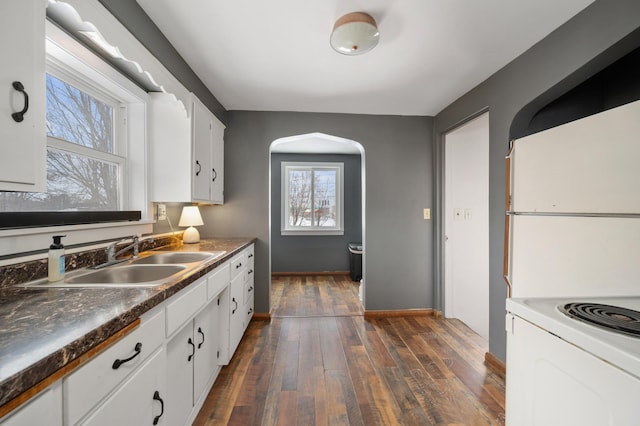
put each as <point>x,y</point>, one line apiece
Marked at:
<point>310,232</point>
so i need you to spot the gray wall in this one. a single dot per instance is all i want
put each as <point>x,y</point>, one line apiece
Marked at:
<point>398,158</point>
<point>316,253</point>
<point>565,58</point>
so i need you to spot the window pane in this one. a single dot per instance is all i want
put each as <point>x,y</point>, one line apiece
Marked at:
<point>74,182</point>
<point>77,117</point>
<point>299,197</point>
<point>324,197</point>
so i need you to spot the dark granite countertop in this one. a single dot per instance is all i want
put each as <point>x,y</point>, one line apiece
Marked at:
<point>43,329</point>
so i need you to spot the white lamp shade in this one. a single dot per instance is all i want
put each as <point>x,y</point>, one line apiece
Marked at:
<point>354,33</point>
<point>190,217</point>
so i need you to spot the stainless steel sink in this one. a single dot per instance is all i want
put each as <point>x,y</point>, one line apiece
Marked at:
<point>148,271</point>
<point>177,257</point>
<point>129,274</point>
<point>119,276</point>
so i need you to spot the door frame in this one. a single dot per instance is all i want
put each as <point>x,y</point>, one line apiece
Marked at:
<point>439,219</point>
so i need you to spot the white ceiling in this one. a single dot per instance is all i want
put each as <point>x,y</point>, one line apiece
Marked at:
<point>275,55</point>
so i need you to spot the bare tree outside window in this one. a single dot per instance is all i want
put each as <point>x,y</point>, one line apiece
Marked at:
<point>82,168</point>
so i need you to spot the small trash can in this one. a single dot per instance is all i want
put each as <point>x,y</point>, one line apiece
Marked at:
<point>355,261</point>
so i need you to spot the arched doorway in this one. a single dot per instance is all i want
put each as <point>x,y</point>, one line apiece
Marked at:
<point>313,253</point>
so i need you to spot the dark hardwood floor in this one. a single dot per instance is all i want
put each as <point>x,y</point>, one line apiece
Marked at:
<point>320,362</point>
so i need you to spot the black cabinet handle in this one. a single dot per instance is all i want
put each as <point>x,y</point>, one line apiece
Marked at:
<point>118,362</point>
<point>156,397</point>
<point>19,116</point>
<point>215,175</point>
<point>250,255</point>
<point>250,310</point>
<point>250,289</point>
<point>200,331</point>
<point>250,272</point>
<point>239,265</point>
<point>236,308</point>
<point>199,168</point>
<point>193,347</point>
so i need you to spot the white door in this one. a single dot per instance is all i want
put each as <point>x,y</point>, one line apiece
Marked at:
<point>466,224</point>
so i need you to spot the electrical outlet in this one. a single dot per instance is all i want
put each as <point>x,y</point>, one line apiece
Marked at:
<point>162,212</point>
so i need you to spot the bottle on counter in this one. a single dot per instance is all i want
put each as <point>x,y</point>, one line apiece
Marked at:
<point>56,259</point>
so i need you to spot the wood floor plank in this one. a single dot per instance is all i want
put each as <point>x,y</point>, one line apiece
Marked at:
<point>319,362</point>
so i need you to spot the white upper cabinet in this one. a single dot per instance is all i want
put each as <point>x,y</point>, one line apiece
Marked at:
<point>186,151</point>
<point>169,149</point>
<point>22,90</point>
<point>207,134</point>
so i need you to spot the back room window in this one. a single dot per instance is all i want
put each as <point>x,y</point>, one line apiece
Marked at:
<point>312,200</point>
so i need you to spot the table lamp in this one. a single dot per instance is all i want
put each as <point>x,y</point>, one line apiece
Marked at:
<point>190,217</point>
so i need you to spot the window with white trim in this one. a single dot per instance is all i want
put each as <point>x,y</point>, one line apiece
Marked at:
<point>312,198</point>
<point>87,138</point>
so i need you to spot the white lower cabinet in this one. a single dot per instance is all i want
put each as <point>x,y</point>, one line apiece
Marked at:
<point>43,409</point>
<point>162,371</point>
<point>192,363</point>
<point>249,288</point>
<point>90,392</point>
<point>237,317</point>
<point>241,297</point>
<point>139,401</point>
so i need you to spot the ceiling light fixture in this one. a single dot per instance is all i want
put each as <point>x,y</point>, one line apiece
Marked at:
<point>354,34</point>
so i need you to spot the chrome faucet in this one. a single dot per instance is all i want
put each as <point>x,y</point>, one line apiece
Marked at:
<point>112,254</point>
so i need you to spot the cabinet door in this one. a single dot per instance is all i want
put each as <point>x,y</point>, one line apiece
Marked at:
<point>180,356</point>
<point>22,144</point>
<point>224,314</point>
<point>206,340</point>
<point>139,401</point>
<point>169,148</point>
<point>217,161</point>
<point>201,171</point>
<point>237,314</point>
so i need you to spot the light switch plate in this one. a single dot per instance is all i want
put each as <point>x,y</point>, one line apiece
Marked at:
<point>427,214</point>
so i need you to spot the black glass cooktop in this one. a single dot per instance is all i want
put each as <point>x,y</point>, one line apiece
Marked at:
<point>613,318</point>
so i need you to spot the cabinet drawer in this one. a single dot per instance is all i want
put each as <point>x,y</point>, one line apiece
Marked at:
<point>248,290</point>
<point>218,280</point>
<point>248,312</point>
<point>43,409</point>
<point>238,264</point>
<point>248,273</point>
<point>184,306</point>
<point>250,255</point>
<point>85,387</point>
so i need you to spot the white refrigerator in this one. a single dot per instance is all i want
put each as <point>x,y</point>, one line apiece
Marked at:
<point>572,237</point>
<point>573,208</point>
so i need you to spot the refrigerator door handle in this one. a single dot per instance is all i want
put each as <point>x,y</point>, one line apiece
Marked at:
<point>507,222</point>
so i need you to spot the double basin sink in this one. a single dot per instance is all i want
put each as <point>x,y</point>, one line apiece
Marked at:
<point>149,271</point>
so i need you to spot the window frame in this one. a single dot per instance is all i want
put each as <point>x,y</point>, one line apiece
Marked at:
<point>288,230</point>
<point>56,68</point>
